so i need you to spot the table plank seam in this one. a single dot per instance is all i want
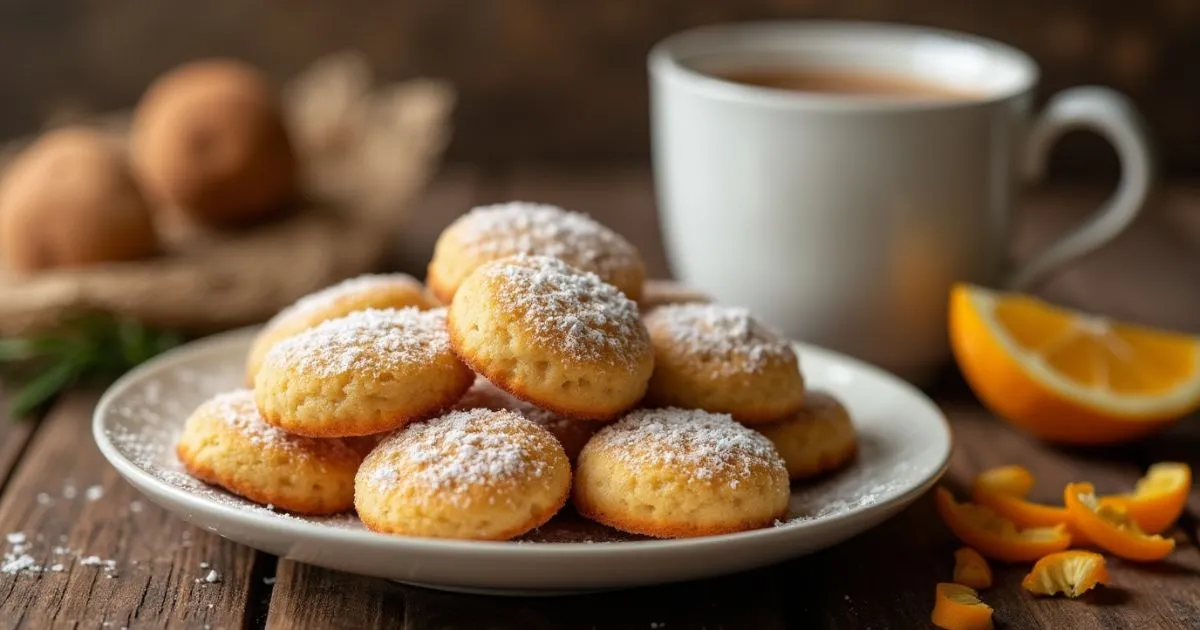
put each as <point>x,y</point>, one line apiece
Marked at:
<point>259,598</point>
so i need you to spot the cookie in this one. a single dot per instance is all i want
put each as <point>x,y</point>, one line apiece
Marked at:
<point>396,290</point>
<point>659,292</point>
<point>571,433</point>
<point>552,335</point>
<point>722,359</point>
<point>368,372</point>
<point>671,473</point>
<point>227,443</point>
<point>479,474</point>
<point>498,231</point>
<point>817,439</point>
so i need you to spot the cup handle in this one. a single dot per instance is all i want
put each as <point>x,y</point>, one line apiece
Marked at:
<point>1112,115</point>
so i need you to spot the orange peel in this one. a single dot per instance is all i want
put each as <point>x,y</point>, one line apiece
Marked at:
<point>971,569</point>
<point>1004,488</point>
<point>1071,573</point>
<point>997,537</point>
<point>957,607</point>
<point>1159,498</point>
<point>1111,528</point>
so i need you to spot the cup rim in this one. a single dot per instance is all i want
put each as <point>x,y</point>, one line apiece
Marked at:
<point>663,61</point>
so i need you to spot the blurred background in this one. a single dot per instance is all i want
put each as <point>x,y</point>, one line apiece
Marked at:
<point>564,82</point>
<point>549,103</point>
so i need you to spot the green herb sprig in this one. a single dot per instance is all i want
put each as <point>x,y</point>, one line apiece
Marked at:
<point>91,349</point>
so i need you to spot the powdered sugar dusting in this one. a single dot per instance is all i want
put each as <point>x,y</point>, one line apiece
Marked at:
<point>452,456</point>
<point>484,395</point>
<point>145,426</point>
<point>571,433</point>
<point>730,338</point>
<point>237,409</point>
<point>323,299</point>
<point>571,308</point>
<point>143,423</point>
<point>707,445</point>
<point>508,229</point>
<point>368,342</point>
<point>862,485</point>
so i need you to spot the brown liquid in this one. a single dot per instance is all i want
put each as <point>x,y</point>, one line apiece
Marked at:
<point>848,83</point>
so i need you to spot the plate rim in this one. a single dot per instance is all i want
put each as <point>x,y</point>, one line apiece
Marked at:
<point>299,528</point>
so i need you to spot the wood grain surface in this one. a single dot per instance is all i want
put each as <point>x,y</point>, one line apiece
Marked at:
<point>75,511</point>
<point>882,579</point>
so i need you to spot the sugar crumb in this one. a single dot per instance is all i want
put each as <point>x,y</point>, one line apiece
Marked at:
<point>16,564</point>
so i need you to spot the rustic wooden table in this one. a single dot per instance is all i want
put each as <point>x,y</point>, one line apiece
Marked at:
<point>58,492</point>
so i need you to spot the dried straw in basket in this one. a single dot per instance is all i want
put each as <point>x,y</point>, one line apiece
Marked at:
<point>367,151</point>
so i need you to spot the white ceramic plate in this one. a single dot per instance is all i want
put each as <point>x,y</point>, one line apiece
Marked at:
<point>905,444</point>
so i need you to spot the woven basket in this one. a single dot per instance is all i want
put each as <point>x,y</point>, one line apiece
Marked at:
<point>367,151</point>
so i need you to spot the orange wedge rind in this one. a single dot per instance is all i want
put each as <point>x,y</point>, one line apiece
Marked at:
<point>1070,377</point>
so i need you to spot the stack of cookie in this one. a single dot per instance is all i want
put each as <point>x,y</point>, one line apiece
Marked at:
<point>540,380</point>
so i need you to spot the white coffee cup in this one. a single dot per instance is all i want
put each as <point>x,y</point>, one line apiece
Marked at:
<point>843,220</point>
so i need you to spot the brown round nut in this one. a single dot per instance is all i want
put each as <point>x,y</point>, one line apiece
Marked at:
<point>69,200</point>
<point>209,139</point>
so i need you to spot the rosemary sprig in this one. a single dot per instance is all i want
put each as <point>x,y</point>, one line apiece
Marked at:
<point>90,349</point>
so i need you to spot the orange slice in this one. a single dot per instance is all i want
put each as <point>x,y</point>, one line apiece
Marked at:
<point>1071,573</point>
<point>1070,377</point>
<point>957,607</point>
<point>1111,528</point>
<point>997,537</point>
<point>970,569</point>
<point>1003,489</point>
<point>1159,499</point>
